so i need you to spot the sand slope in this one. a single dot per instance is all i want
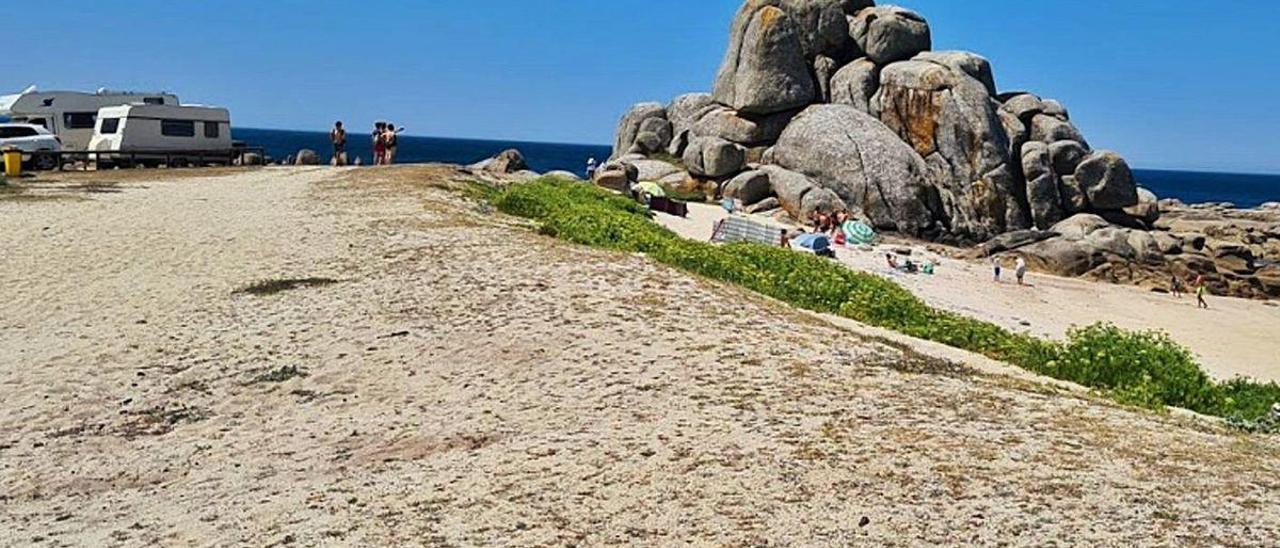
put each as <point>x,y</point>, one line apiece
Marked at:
<point>470,383</point>
<point>1236,337</point>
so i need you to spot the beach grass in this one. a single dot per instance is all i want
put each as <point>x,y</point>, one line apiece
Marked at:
<point>1145,369</point>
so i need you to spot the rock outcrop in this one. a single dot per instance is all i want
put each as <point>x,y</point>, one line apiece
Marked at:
<point>841,104</point>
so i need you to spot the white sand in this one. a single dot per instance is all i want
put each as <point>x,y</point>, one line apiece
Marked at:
<point>469,383</point>
<point>1236,337</point>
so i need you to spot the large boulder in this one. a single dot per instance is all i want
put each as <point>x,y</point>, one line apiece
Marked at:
<point>653,170</point>
<point>1074,199</point>
<point>507,161</point>
<point>855,84</point>
<point>629,125</point>
<point>741,128</point>
<point>1066,156</point>
<point>949,118</point>
<point>1107,180</point>
<point>1048,129</point>
<point>660,129</point>
<point>683,113</point>
<point>713,157</point>
<point>1080,226</point>
<point>765,69</point>
<point>749,186</point>
<point>1043,199</point>
<point>1023,105</point>
<point>976,66</point>
<point>800,195</point>
<point>1062,256</point>
<point>854,155</point>
<point>1148,207</point>
<point>889,33</point>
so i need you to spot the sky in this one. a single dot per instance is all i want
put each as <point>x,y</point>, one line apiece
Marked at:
<point>1173,84</point>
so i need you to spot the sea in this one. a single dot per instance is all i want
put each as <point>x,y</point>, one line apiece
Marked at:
<point>1243,190</point>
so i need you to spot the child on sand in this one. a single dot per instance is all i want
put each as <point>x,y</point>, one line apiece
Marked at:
<point>996,268</point>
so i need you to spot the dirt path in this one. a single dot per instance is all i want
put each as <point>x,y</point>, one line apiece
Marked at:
<point>466,382</point>
<point>1236,337</point>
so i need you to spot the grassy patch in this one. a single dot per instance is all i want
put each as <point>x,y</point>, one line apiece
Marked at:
<point>271,287</point>
<point>1137,368</point>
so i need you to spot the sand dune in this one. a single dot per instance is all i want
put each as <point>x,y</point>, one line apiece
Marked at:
<point>466,382</point>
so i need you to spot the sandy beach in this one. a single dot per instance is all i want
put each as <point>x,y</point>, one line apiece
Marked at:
<point>446,377</point>
<point>1236,337</point>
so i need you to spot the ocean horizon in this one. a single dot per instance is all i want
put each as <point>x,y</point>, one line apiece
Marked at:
<point>1241,189</point>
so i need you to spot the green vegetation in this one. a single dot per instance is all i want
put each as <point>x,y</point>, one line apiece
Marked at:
<point>1137,368</point>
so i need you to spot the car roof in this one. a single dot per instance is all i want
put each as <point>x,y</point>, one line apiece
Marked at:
<point>38,128</point>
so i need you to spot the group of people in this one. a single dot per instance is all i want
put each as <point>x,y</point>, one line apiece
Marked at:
<point>828,223</point>
<point>1177,287</point>
<point>1020,269</point>
<point>908,266</point>
<point>385,137</point>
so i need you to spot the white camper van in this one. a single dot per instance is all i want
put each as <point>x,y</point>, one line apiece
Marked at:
<point>71,115</point>
<point>153,134</point>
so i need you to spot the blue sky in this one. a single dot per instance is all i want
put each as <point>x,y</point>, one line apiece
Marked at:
<point>1182,84</point>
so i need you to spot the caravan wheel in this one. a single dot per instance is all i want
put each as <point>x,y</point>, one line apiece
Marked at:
<point>44,162</point>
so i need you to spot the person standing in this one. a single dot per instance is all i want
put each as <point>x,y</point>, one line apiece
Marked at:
<point>1021,270</point>
<point>1175,286</point>
<point>338,136</point>
<point>379,143</point>
<point>390,143</point>
<point>1201,291</point>
<point>996,268</point>
<point>591,169</point>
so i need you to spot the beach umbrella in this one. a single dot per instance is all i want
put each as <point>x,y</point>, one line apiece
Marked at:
<point>858,233</point>
<point>813,242</point>
<point>652,189</point>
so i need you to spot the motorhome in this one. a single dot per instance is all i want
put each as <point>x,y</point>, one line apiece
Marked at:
<point>72,115</point>
<point>152,134</point>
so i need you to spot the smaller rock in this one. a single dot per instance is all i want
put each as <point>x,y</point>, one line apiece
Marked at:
<point>765,205</point>
<point>714,157</point>
<point>751,187</point>
<point>1066,156</point>
<point>888,34</point>
<point>566,175</point>
<point>306,157</point>
<point>507,161</point>
<point>1148,207</point>
<point>1107,180</point>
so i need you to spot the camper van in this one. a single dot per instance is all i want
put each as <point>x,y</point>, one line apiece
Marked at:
<point>154,134</point>
<point>71,115</point>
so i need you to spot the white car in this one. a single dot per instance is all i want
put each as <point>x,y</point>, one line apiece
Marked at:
<point>35,142</point>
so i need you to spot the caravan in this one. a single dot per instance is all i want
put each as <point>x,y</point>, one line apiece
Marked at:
<point>154,134</point>
<point>71,115</point>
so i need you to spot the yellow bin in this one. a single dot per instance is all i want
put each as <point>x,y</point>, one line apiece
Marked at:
<point>12,163</point>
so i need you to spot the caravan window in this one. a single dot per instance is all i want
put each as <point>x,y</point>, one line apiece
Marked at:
<point>211,130</point>
<point>79,120</point>
<point>153,100</point>
<point>177,128</point>
<point>10,132</point>
<point>110,126</point>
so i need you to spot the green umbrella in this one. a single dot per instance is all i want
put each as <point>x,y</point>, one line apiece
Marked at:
<point>858,233</point>
<point>652,189</point>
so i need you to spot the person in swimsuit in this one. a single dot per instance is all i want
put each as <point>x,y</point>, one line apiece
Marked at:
<point>379,144</point>
<point>391,142</point>
<point>339,139</point>
<point>1201,291</point>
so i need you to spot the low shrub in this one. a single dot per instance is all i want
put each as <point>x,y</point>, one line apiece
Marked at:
<point>1137,368</point>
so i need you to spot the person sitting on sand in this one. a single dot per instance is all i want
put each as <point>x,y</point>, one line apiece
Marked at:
<point>893,263</point>
<point>339,139</point>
